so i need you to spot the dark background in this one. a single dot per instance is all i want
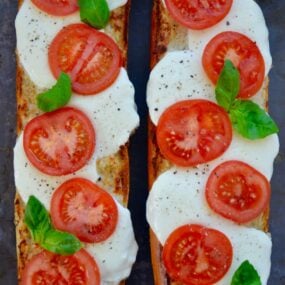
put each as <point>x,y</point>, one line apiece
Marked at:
<point>139,35</point>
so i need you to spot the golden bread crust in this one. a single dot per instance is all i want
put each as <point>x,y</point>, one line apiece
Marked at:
<point>167,35</point>
<point>113,170</point>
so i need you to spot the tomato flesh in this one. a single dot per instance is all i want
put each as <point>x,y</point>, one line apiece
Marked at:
<point>197,255</point>
<point>91,58</point>
<point>198,14</point>
<point>49,269</point>
<point>243,53</point>
<point>80,207</point>
<point>193,132</point>
<point>59,142</point>
<point>237,191</point>
<point>57,7</point>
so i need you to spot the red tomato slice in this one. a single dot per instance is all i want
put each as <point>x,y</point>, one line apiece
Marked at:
<point>91,58</point>
<point>237,191</point>
<point>57,7</point>
<point>82,208</point>
<point>59,142</point>
<point>198,14</point>
<point>193,132</point>
<point>196,255</point>
<point>243,53</point>
<point>49,268</point>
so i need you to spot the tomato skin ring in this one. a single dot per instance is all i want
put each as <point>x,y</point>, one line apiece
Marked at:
<point>181,124</point>
<point>52,8</point>
<point>91,58</point>
<point>191,251</point>
<point>38,128</point>
<point>39,267</point>
<point>205,21</point>
<point>84,209</point>
<point>244,54</point>
<point>252,186</point>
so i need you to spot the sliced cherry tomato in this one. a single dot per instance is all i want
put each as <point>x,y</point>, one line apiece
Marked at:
<point>244,54</point>
<point>49,268</point>
<point>57,7</point>
<point>59,142</point>
<point>193,132</point>
<point>82,208</point>
<point>196,255</point>
<point>237,191</point>
<point>198,14</point>
<point>91,58</point>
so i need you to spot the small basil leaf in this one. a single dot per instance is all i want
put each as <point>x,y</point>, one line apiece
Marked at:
<point>61,243</point>
<point>246,274</point>
<point>39,223</point>
<point>57,97</point>
<point>228,85</point>
<point>251,121</point>
<point>37,219</point>
<point>95,13</point>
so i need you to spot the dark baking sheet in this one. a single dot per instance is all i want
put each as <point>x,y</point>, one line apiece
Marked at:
<point>139,36</point>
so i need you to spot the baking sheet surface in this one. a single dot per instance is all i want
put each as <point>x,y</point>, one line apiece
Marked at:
<point>139,35</point>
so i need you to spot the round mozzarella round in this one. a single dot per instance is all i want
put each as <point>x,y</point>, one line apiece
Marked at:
<point>113,113</point>
<point>117,254</point>
<point>177,198</point>
<point>245,17</point>
<point>35,31</point>
<point>180,76</point>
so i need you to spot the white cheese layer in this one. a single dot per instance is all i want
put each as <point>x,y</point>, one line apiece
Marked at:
<point>245,17</point>
<point>113,113</point>
<point>180,76</point>
<point>35,31</point>
<point>177,198</point>
<point>117,254</point>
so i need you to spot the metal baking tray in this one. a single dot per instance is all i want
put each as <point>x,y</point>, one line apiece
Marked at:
<point>138,66</point>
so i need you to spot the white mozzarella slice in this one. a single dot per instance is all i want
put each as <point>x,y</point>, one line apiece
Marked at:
<point>177,198</point>
<point>35,31</point>
<point>114,4</point>
<point>113,114</point>
<point>117,254</point>
<point>245,17</point>
<point>180,76</point>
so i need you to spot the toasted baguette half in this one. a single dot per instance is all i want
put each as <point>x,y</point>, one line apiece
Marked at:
<point>113,170</point>
<point>168,35</point>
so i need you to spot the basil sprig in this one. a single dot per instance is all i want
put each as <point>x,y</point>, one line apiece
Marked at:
<point>38,221</point>
<point>95,13</point>
<point>57,97</point>
<point>251,121</point>
<point>246,274</point>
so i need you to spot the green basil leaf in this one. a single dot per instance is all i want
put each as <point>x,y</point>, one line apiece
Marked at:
<point>61,242</point>
<point>37,219</point>
<point>246,274</point>
<point>57,97</point>
<point>39,223</point>
<point>95,13</point>
<point>228,85</point>
<point>251,121</point>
